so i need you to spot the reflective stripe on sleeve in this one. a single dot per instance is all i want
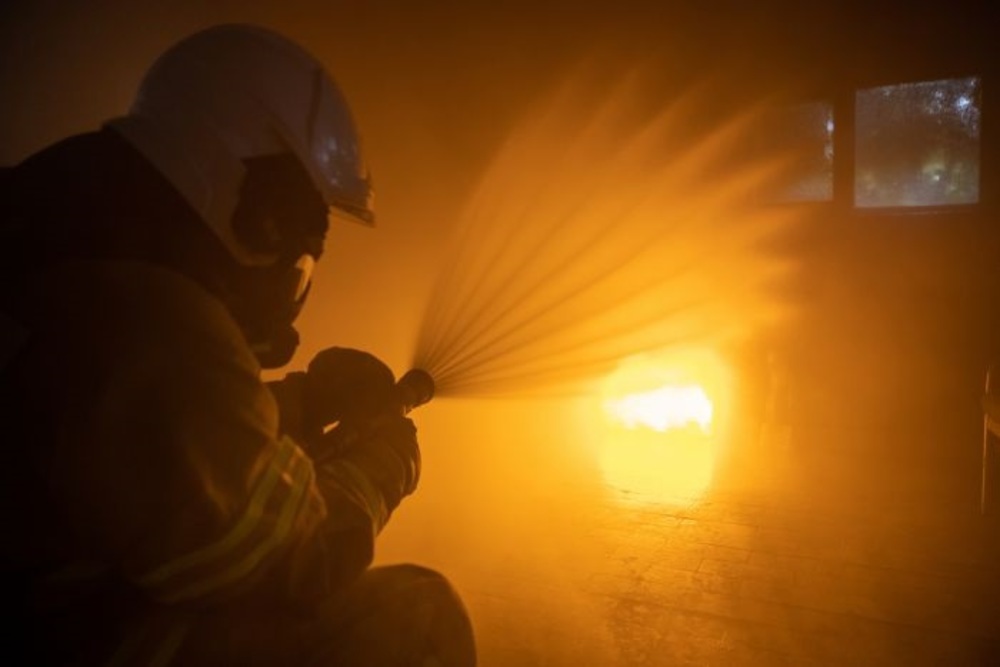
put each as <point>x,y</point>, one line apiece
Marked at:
<point>355,483</point>
<point>276,501</point>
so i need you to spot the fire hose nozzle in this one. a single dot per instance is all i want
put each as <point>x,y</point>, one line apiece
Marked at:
<point>415,388</point>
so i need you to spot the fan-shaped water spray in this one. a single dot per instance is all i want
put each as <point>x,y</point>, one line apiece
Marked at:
<point>599,232</point>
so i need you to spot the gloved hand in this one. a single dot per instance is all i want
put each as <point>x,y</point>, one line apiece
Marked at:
<point>387,453</point>
<point>346,384</point>
<point>357,392</point>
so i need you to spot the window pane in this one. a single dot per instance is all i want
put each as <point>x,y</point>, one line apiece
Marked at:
<point>803,133</point>
<point>918,144</point>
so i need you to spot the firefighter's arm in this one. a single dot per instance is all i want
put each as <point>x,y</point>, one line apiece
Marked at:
<point>178,472</point>
<point>348,412</point>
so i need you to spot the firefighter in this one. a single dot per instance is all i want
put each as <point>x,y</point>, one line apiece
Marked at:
<point>162,504</point>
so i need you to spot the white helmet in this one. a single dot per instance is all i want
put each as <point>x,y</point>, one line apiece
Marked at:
<point>234,92</point>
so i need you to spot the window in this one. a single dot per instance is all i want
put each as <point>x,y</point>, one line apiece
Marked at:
<point>917,144</point>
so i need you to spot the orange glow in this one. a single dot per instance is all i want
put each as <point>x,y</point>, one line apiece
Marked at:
<point>664,408</point>
<point>662,437</point>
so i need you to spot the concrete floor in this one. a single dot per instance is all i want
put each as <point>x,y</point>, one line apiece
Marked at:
<point>792,562</point>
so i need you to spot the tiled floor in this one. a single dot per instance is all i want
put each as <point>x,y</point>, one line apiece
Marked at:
<point>775,566</point>
<point>732,583</point>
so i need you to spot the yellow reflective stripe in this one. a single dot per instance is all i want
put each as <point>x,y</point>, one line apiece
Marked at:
<point>370,495</point>
<point>244,527</point>
<point>296,500</point>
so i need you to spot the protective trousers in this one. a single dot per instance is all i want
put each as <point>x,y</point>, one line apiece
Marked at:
<point>394,616</point>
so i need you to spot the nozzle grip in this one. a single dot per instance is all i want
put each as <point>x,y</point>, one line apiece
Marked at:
<point>415,388</point>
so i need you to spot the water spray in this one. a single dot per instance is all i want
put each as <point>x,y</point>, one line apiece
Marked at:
<point>601,232</point>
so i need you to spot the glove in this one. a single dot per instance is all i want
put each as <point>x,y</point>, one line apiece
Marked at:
<point>387,454</point>
<point>357,392</point>
<point>345,385</point>
<point>391,455</point>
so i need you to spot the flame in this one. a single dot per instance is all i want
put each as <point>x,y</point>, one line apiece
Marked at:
<point>664,408</point>
<point>662,435</point>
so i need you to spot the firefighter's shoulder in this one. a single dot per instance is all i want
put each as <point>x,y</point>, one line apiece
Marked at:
<point>133,309</point>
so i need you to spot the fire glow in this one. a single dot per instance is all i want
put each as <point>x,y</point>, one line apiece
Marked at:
<point>664,408</point>
<point>662,428</point>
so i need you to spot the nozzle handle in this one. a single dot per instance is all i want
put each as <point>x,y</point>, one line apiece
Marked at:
<point>415,388</point>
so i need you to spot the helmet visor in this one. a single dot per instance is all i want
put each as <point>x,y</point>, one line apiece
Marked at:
<point>336,154</point>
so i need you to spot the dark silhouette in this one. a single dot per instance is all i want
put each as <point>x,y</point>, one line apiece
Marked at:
<point>162,504</point>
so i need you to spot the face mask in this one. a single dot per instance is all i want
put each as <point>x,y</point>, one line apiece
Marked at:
<point>280,214</point>
<point>266,302</point>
